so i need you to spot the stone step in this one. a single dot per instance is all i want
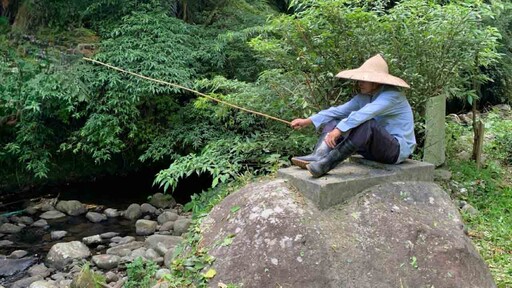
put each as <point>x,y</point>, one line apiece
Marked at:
<point>352,177</point>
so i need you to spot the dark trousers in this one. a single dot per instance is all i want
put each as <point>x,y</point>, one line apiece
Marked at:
<point>373,142</point>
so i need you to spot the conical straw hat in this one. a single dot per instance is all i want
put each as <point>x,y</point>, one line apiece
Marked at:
<point>374,70</point>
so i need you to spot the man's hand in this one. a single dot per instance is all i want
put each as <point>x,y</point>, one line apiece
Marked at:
<point>332,137</point>
<point>300,123</point>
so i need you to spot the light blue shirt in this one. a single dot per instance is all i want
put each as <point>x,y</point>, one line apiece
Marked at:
<point>388,107</point>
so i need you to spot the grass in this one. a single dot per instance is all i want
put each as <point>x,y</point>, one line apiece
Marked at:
<point>491,228</point>
<point>489,191</point>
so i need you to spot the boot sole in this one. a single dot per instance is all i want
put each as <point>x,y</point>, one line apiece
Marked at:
<point>302,164</point>
<point>313,174</point>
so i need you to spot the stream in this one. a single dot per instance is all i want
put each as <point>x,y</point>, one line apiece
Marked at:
<point>109,192</point>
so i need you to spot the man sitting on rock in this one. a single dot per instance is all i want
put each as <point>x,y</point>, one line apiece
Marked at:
<point>377,123</point>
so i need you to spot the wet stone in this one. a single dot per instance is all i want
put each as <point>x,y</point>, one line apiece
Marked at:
<point>111,213</point>
<point>71,207</point>
<point>53,214</point>
<point>8,228</point>
<point>95,217</point>
<point>56,235</point>
<point>133,212</point>
<point>22,220</point>
<point>40,223</point>
<point>91,240</point>
<point>109,235</point>
<point>148,208</point>
<point>17,254</point>
<point>9,267</point>
<point>4,243</point>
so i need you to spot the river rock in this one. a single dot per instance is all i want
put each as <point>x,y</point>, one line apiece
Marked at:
<point>167,216</point>
<point>160,200</point>
<point>40,223</point>
<point>133,212</point>
<point>145,227</point>
<point>9,267</point>
<point>39,269</point>
<point>63,254</point>
<point>151,254</point>
<point>52,214</point>
<point>9,228</point>
<point>5,243</point>
<point>124,240</point>
<point>56,235</point>
<point>161,242</point>
<point>91,240</point>
<point>105,261</point>
<point>168,257</point>
<point>108,235</point>
<point>26,282</point>
<point>22,220</point>
<point>43,284</point>
<point>139,252</point>
<point>147,208</point>
<point>111,277</point>
<point>71,207</point>
<point>391,235</point>
<point>17,254</point>
<point>120,250</point>
<point>161,273</point>
<point>95,217</point>
<point>111,213</point>
<point>167,226</point>
<point>181,226</point>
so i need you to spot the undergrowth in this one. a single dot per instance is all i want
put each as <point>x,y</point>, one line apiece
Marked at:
<point>489,191</point>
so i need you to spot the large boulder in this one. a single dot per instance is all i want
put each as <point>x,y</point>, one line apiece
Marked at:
<point>63,254</point>
<point>391,235</point>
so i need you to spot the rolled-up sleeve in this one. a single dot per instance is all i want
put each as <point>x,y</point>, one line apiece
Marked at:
<point>338,112</point>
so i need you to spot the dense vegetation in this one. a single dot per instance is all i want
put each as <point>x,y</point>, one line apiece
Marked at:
<point>62,118</point>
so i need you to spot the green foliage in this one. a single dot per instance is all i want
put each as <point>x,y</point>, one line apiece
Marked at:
<point>141,273</point>
<point>488,191</point>
<point>500,90</point>
<point>500,146</point>
<point>88,278</point>
<point>326,36</point>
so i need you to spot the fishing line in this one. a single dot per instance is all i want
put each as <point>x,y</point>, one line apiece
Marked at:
<point>187,89</point>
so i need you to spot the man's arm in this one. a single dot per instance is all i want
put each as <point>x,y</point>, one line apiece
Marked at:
<point>380,106</point>
<point>338,112</point>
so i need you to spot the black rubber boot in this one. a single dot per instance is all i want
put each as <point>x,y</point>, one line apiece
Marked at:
<point>341,152</point>
<point>321,150</point>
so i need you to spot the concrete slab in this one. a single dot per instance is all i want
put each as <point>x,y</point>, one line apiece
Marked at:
<point>352,177</point>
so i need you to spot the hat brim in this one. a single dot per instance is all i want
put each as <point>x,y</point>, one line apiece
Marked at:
<point>372,76</point>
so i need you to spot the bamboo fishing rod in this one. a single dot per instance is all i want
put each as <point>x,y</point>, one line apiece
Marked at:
<point>187,89</point>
